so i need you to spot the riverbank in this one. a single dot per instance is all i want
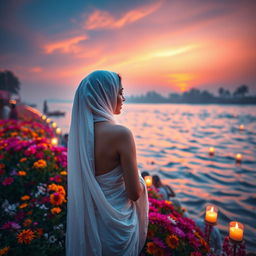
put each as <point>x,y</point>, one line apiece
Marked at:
<point>168,229</point>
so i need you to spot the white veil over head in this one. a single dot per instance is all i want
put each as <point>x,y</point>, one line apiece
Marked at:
<point>95,100</point>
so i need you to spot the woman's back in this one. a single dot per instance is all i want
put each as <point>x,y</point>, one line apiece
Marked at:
<point>105,147</point>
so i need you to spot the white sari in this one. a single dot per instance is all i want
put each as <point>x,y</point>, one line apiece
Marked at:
<point>101,220</point>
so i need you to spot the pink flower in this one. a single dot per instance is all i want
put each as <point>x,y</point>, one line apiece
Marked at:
<point>8,181</point>
<point>11,225</point>
<point>40,155</point>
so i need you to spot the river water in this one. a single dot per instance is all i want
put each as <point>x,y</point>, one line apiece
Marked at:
<point>173,142</point>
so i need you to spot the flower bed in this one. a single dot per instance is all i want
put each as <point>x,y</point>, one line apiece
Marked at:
<point>33,193</point>
<point>33,200</point>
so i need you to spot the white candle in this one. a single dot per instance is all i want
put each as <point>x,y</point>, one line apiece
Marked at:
<point>236,232</point>
<point>211,215</point>
<point>148,180</point>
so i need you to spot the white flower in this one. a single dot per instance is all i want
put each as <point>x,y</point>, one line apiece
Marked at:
<point>174,222</point>
<point>52,239</point>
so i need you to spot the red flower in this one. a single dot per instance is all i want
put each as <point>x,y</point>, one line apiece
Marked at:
<point>8,181</point>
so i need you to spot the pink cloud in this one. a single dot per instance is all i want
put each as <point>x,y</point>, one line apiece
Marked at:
<point>36,69</point>
<point>103,19</point>
<point>65,46</point>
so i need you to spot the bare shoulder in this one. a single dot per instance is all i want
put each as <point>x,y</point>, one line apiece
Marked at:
<point>122,132</point>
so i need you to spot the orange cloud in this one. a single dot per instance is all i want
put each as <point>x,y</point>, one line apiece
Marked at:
<point>65,46</point>
<point>103,19</point>
<point>36,69</point>
<point>181,80</point>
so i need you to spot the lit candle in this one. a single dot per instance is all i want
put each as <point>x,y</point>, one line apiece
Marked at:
<point>43,117</point>
<point>239,157</point>
<point>54,125</point>
<point>211,151</point>
<point>241,127</point>
<point>211,214</point>
<point>48,120</point>
<point>236,231</point>
<point>58,131</point>
<point>54,141</point>
<point>148,180</point>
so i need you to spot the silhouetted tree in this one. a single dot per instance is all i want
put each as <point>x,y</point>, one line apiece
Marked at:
<point>223,92</point>
<point>173,95</point>
<point>9,82</point>
<point>241,90</point>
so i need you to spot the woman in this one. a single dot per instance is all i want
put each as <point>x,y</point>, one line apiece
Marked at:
<point>107,199</point>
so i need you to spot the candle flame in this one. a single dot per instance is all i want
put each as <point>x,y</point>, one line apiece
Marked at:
<point>236,225</point>
<point>211,209</point>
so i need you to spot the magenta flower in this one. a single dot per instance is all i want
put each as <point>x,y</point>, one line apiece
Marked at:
<point>11,225</point>
<point>8,181</point>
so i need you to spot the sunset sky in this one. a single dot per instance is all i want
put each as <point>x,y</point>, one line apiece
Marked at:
<point>167,46</point>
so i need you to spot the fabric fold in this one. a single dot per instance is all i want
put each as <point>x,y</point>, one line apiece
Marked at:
<point>95,221</point>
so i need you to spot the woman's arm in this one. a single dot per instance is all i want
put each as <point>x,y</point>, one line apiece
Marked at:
<point>127,152</point>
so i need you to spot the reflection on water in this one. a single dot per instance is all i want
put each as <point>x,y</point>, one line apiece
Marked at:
<point>174,141</point>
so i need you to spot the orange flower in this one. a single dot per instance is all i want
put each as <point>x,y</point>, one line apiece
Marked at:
<point>172,241</point>
<point>39,232</point>
<point>61,190</point>
<point>204,243</point>
<point>57,198</point>
<point>13,134</point>
<point>150,233</point>
<point>55,210</point>
<point>2,166</point>
<point>24,198</point>
<point>23,205</point>
<point>151,248</point>
<point>25,236</point>
<point>52,187</point>
<point>168,202</point>
<point>27,222</point>
<point>4,250</point>
<point>64,173</point>
<point>30,213</point>
<point>24,159</point>
<point>22,173</point>
<point>57,188</point>
<point>40,164</point>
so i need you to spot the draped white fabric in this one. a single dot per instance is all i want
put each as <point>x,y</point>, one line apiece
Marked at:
<point>97,224</point>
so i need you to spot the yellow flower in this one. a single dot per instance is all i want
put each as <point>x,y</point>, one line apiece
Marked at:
<point>57,198</point>
<point>23,205</point>
<point>22,173</point>
<point>172,241</point>
<point>27,222</point>
<point>64,173</point>
<point>24,198</point>
<point>25,236</point>
<point>24,159</point>
<point>55,210</point>
<point>40,164</point>
<point>4,250</point>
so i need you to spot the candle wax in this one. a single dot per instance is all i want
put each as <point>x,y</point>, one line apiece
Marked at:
<point>211,216</point>
<point>236,233</point>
